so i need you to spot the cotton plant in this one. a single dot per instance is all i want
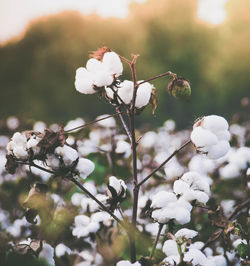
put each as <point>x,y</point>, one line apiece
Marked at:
<point>132,188</point>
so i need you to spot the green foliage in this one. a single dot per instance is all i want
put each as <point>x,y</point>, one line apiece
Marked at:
<point>244,250</point>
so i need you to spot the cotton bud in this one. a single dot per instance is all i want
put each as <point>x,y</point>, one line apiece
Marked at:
<point>179,88</point>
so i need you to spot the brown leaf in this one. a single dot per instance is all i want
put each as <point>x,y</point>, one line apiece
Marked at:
<point>11,164</point>
<point>99,53</point>
<point>153,101</point>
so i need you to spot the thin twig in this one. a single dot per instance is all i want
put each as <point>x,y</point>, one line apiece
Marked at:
<point>91,123</point>
<point>156,240</point>
<point>124,124</point>
<point>116,94</point>
<point>169,73</point>
<point>162,164</point>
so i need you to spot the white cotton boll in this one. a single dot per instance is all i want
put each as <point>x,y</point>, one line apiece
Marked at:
<point>68,154</point>
<point>108,122</point>
<point>229,171</point>
<point>202,137</point>
<point>215,123</point>
<point>103,78</point>
<point>127,263</point>
<point>186,233</point>
<point>19,139</point>
<point>20,152</point>
<point>52,161</point>
<point>47,254</point>
<point>223,135</point>
<point>125,91</point>
<point>76,199</point>
<point>39,126</point>
<point>85,167</point>
<point>94,65</point>
<point>91,187</point>
<point>164,215</point>
<point>202,165</point>
<point>181,202</point>
<point>74,123</point>
<point>82,220</point>
<point>197,245</point>
<point>195,256</point>
<point>180,187</point>
<point>170,248</point>
<point>123,147</point>
<point>152,228</point>
<point>200,196</point>
<point>84,81</point>
<point>4,141</point>
<point>12,122</point>
<point>237,242</point>
<point>169,125</point>
<point>32,142</point>
<point>218,150</point>
<point>173,169</point>
<point>109,92</point>
<point>117,184</point>
<point>148,140</point>
<point>172,260</point>
<point>143,94</point>
<point>61,250</point>
<point>182,215</point>
<point>208,251</point>
<point>162,198</point>
<point>112,62</point>
<point>216,261</point>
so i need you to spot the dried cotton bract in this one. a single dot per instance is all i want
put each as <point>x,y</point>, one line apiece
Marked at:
<point>210,136</point>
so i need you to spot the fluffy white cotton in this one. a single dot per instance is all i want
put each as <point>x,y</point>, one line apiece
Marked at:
<point>218,260</point>
<point>170,248</point>
<point>39,126</point>
<point>148,140</point>
<point>47,253</point>
<point>85,167</point>
<point>127,263</point>
<point>108,123</point>
<point>61,250</point>
<point>68,154</point>
<point>195,256</point>
<point>12,122</point>
<point>210,136</point>
<point>123,147</point>
<point>17,146</point>
<point>143,95</point>
<point>84,81</point>
<point>112,62</point>
<point>74,123</point>
<point>162,198</point>
<point>118,185</point>
<point>186,233</point>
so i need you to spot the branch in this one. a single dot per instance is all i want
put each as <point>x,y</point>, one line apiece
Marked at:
<point>161,165</point>
<point>124,124</point>
<point>156,240</point>
<point>91,123</point>
<point>169,73</point>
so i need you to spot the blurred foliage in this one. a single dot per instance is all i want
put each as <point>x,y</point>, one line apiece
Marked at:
<point>37,72</point>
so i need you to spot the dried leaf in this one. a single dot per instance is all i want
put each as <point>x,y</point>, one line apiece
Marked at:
<point>153,100</point>
<point>11,164</point>
<point>99,53</point>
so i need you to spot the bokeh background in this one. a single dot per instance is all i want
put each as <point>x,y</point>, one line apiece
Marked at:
<point>208,44</point>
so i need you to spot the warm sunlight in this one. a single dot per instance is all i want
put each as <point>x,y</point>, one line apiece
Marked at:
<point>212,11</point>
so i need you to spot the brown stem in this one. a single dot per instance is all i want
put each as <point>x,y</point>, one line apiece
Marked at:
<point>162,164</point>
<point>156,240</point>
<point>91,123</point>
<point>124,124</point>
<point>169,73</point>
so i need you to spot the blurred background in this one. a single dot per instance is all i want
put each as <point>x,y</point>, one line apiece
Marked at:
<point>42,43</point>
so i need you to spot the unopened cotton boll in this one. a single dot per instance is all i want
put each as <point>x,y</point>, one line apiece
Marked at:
<point>143,95</point>
<point>85,167</point>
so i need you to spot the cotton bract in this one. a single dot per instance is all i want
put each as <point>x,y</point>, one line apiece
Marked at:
<point>210,136</point>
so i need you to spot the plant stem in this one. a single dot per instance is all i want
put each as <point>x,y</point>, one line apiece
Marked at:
<point>124,124</point>
<point>156,240</point>
<point>169,73</point>
<point>162,164</point>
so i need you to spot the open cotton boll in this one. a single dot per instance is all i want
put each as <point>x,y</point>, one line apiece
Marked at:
<point>229,171</point>
<point>84,81</point>
<point>102,78</point>
<point>186,233</point>
<point>172,260</point>
<point>127,263</point>
<point>181,187</point>
<point>47,253</point>
<point>164,215</point>
<point>143,94</point>
<point>197,245</point>
<point>195,256</point>
<point>68,154</point>
<point>218,150</point>
<point>218,260</point>
<point>74,123</point>
<point>162,198</point>
<point>85,167</point>
<point>202,137</point>
<point>61,250</point>
<point>118,185</point>
<point>109,122</point>
<point>148,140</point>
<point>125,91</point>
<point>112,62</point>
<point>93,65</point>
<point>170,248</point>
<point>214,123</point>
<point>12,122</point>
<point>123,147</point>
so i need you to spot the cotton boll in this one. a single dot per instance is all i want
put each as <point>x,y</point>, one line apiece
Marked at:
<point>12,122</point>
<point>68,154</point>
<point>195,256</point>
<point>216,261</point>
<point>39,126</point>
<point>162,198</point>
<point>237,242</point>
<point>143,94</point>
<point>93,65</point>
<point>61,250</point>
<point>173,169</point>
<point>223,135</point>
<point>170,248</point>
<point>125,91</point>
<point>180,187</point>
<point>112,62</point>
<point>20,152</point>
<point>186,233</point>
<point>202,138</point>
<point>148,140</point>
<point>74,123</point>
<point>197,245</point>
<point>52,161</point>
<point>123,147</point>
<point>202,165</point>
<point>127,263</point>
<point>218,150</point>
<point>172,260</point>
<point>85,167</point>
<point>102,78</point>
<point>84,81</point>
<point>118,185</point>
<point>47,253</point>
<point>229,171</point>
<point>182,215</point>
<point>76,199</point>
<point>215,123</point>
<point>169,125</point>
<point>108,123</point>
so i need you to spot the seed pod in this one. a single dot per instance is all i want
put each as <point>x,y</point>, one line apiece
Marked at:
<point>179,88</point>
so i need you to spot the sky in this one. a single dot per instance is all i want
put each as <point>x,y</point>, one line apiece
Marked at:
<point>15,15</point>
